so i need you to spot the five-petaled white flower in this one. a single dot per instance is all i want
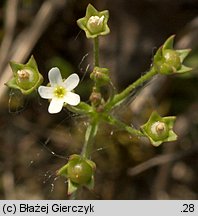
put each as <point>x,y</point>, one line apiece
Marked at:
<point>60,91</point>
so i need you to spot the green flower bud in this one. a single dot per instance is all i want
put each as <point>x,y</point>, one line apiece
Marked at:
<point>79,171</point>
<point>100,76</point>
<point>26,77</point>
<point>94,23</point>
<point>159,129</point>
<point>172,58</point>
<point>95,98</point>
<point>169,61</point>
<point>165,68</point>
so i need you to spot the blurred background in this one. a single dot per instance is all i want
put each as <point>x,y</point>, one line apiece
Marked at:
<point>35,144</point>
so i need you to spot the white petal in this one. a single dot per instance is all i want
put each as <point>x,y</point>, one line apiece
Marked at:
<point>71,82</point>
<point>56,105</point>
<point>55,77</point>
<point>72,98</point>
<point>45,92</point>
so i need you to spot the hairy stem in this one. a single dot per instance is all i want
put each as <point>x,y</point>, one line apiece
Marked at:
<point>89,138</point>
<point>82,108</point>
<point>118,98</point>
<point>113,121</point>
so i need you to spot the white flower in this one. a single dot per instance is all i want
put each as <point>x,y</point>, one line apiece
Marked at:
<point>60,91</point>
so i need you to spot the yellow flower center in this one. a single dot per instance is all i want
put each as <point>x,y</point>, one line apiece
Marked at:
<point>59,92</point>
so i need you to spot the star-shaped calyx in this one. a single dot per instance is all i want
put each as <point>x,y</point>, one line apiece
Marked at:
<point>159,129</point>
<point>94,23</point>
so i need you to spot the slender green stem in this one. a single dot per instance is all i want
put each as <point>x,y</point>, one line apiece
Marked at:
<point>96,51</point>
<point>89,138</point>
<point>87,148</point>
<point>82,108</point>
<point>118,98</point>
<point>113,121</point>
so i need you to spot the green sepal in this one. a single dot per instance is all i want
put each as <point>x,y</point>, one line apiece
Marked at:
<point>15,67</point>
<point>184,69</point>
<point>29,84</point>
<point>90,184</point>
<point>158,56</point>
<point>63,171</point>
<point>32,63</point>
<point>91,11</point>
<point>91,163</point>
<point>12,83</point>
<point>183,53</point>
<point>168,44</point>
<point>158,138</point>
<point>169,120</point>
<point>72,187</point>
<point>169,61</point>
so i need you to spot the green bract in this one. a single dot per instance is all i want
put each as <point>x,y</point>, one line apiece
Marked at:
<point>94,23</point>
<point>79,171</point>
<point>169,61</point>
<point>159,129</point>
<point>26,77</point>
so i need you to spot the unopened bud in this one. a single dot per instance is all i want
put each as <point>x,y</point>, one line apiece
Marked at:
<point>159,128</point>
<point>172,58</point>
<point>95,24</point>
<point>95,98</point>
<point>25,78</point>
<point>100,76</point>
<point>24,75</point>
<point>79,171</point>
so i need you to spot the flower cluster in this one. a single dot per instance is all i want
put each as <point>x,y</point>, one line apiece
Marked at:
<point>79,169</point>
